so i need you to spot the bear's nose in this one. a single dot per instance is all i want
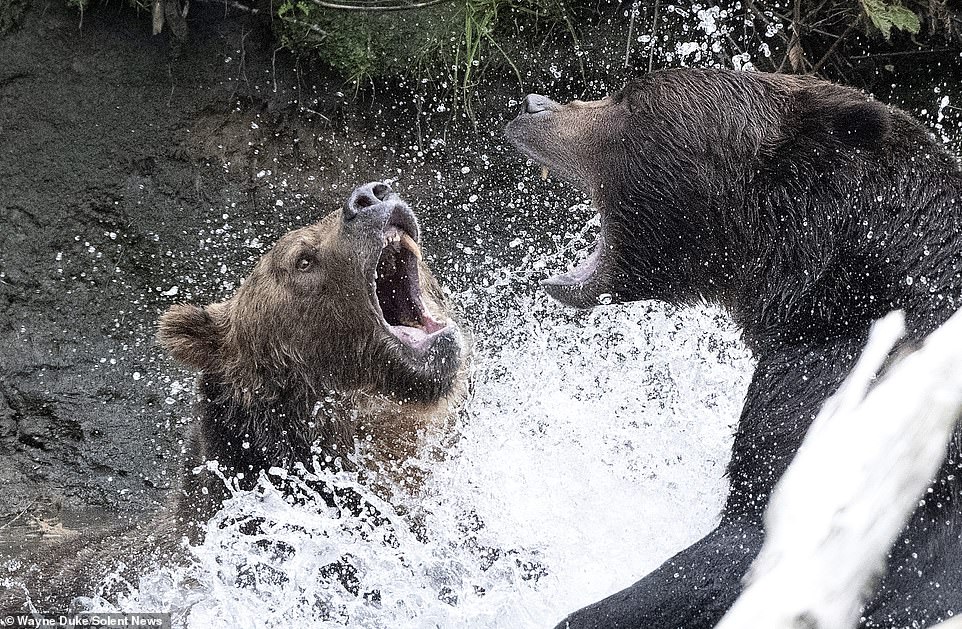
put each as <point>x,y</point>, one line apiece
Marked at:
<point>364,197</point>
<point>534,103</point>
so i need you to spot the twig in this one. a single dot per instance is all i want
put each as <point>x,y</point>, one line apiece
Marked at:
<point>812,28</point>
<point>243,58</point>
<point>316,113</point>
<point>815,10</point>
<point>905,53</point>
<point>170,97</point>
<point>734,44</point>
<point>232,5</point>
<point>308,26</point>
<point>375,7</point>
<point>803,23</point>
<point>796,52</point>
<point>19,515</point>
<point>781,66</point>
<point>274,67</point>
<point>834,46</point>
<point>764,18</point>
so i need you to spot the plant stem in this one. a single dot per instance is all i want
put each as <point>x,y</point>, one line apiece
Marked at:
<point>831,49</point>
<point>631,28</point>
<point>654,31</point>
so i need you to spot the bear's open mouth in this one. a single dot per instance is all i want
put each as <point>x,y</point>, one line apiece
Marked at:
<point>586,284</point>
<point>397,291</point>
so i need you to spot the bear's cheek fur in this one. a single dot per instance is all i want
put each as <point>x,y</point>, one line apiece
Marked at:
<point>588,162</point>
<point>279,323</point>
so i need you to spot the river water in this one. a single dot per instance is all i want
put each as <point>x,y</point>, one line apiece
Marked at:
<point>592,448</point>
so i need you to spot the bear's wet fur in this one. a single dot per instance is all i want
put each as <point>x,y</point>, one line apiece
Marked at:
<point>807,210</point>
<point>337,348</point>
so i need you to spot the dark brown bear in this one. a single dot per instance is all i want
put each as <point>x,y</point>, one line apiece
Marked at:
<point>806,210</point>
<point>337,347</point>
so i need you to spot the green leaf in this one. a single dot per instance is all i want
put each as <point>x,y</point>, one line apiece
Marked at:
<point>888,15</point>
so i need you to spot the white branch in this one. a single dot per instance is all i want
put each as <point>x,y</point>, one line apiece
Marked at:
<point>857,478</point>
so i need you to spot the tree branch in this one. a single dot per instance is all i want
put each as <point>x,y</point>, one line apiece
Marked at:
<point>856,480</point>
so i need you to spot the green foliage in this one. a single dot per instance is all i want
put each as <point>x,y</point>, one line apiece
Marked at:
<point>449,42</point>
<point>886,15</point>
<point>363,44</point>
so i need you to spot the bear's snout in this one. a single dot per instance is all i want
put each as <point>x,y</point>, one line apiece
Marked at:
<point>536,103</point>
<point>364,197</point>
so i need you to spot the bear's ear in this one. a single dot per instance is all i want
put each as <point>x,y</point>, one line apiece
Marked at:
<point>193,336</point>
<point>853,121</point>
<point>868,123</point>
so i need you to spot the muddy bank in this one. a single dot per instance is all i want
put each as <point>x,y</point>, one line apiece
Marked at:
<point>99,184</point>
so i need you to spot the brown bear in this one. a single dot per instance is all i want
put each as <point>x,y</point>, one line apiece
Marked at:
<point>338,338</point>
<point>337,348</point>
<point>807,210</point>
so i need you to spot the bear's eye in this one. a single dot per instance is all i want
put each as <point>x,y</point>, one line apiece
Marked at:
<point>304,264</point>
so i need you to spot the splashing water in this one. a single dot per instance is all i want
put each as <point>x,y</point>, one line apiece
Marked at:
<point>592,448</point>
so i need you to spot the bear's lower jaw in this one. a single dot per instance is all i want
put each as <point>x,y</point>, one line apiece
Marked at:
<point>425,367</point>
<point>585,285</point>
<point>419,337</point>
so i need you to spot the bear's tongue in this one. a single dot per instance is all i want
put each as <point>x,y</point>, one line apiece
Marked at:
<point>417,337</point>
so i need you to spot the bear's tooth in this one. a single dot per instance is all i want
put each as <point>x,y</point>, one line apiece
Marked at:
<point>392,236</point>
<point>410,244</point>
<point>544,173</point>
